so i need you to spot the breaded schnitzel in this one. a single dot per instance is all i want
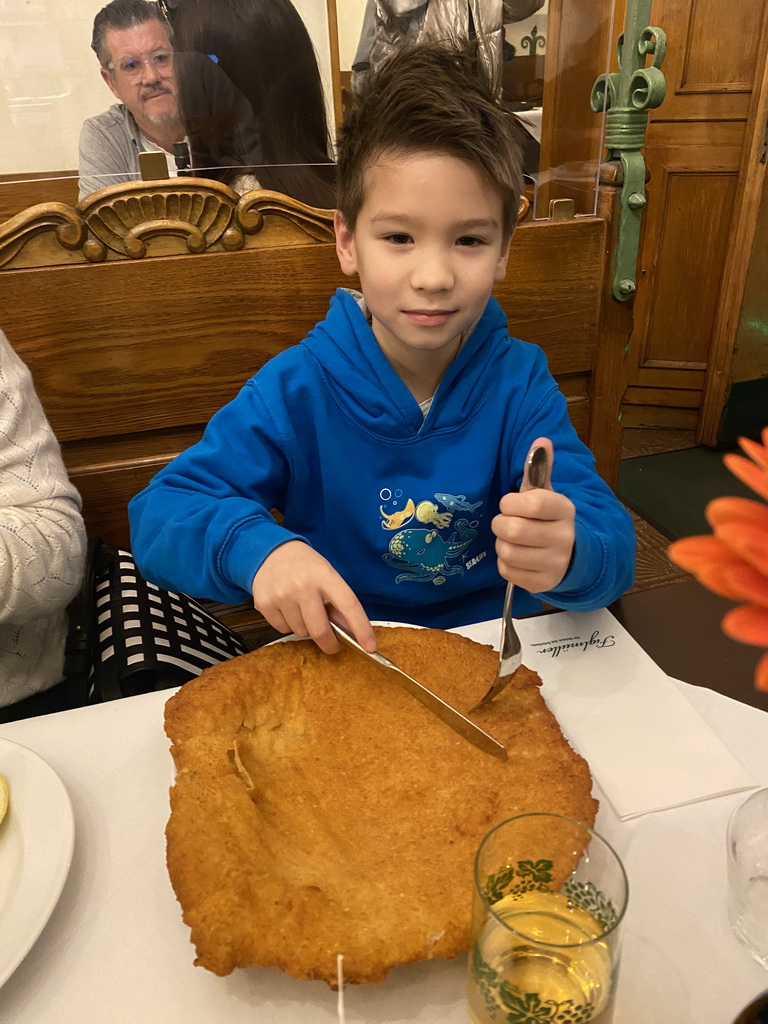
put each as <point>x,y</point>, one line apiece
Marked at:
<point>319,809</point>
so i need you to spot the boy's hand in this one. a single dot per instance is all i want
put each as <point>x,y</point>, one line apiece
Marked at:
<point>534,534</point>
<point>296,590</point>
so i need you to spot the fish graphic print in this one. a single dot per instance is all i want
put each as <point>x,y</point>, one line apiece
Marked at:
<point>423,555</point>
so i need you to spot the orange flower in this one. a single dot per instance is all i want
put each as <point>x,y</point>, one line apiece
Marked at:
<point>733,561</point>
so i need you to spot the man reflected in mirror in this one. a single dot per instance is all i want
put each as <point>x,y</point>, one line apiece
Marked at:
<point>132,40</point>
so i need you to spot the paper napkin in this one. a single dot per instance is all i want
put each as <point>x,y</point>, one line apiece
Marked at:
<point>646,745</point>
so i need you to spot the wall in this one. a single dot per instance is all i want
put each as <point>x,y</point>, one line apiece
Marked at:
<point>49,78</point>
<point>349,15</point>
<point>516,31</point>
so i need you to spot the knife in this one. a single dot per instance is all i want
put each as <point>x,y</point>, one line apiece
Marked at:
<point>463,726</point>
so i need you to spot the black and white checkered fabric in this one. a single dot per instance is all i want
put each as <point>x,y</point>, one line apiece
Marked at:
<point>141,628</point>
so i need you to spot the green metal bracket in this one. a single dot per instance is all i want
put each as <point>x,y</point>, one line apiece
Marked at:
<point>626,96</point>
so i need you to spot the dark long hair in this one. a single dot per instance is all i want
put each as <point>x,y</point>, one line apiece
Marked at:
<point>264,49</point>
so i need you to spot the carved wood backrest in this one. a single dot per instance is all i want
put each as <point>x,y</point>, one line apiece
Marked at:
<point>172,294</point>
<point>157,218</point>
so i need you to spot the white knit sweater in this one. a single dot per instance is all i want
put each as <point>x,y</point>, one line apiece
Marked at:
<point>42,538</point>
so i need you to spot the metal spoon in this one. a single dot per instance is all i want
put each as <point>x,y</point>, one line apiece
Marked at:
<point>510,651</point>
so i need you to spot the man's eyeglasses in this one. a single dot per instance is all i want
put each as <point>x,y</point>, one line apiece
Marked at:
<point>161,62</point>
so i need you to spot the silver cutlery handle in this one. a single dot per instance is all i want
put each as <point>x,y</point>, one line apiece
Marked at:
<point>538,466</point>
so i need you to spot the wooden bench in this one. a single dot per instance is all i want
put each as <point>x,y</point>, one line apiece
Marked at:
<point>142,310</point>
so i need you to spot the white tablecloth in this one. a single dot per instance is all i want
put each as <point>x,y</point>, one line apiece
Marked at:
<point>115,950</point>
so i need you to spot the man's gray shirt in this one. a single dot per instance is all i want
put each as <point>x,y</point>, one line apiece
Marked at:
<point>109,150</point>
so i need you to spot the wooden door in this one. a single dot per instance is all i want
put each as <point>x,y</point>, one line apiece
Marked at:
<point>735,387</point>
<point>695,150</point>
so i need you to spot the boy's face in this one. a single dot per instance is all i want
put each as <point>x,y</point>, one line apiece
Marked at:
<point>428,247</point>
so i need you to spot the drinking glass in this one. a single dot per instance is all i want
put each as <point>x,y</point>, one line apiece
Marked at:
<point>549,898</point>
<point>748,874</point>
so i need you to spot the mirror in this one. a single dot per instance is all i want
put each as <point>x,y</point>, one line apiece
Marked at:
<point>550,52</point>
<point>51,84</point>
<point>516,47</point>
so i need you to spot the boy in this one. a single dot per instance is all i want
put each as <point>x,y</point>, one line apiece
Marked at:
<point>393,437</point>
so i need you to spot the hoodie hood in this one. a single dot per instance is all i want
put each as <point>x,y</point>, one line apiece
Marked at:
<point>364,383</point>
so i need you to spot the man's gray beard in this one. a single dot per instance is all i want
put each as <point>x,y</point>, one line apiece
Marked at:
<point>161,120</point>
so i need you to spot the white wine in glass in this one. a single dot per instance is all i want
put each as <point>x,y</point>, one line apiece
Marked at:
<point>549,898</point>
<point>567,970</point>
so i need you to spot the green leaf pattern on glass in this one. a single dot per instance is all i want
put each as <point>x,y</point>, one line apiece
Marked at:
<point>496,885</point>
<point>522,1007</point>
<point>487,981</point>
<point>526,1007</point>
<point>537,871</point>
<point>588,897</point>
<point>532,875</point>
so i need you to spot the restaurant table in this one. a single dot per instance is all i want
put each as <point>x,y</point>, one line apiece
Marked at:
<point>115,950</point>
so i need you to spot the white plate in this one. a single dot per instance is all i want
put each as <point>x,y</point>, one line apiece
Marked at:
<point>36,842</point>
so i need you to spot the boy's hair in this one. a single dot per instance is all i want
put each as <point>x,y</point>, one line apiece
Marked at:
<point>430,99</point>
<point>121,14</point>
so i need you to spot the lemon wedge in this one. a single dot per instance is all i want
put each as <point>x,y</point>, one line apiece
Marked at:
<point>3,797</point>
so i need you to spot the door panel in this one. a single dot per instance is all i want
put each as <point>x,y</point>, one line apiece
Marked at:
<point>695,211</point>
<point>691,195</point>
<point>711,57</point>
<point>722,60</point>
<point>695,149</point>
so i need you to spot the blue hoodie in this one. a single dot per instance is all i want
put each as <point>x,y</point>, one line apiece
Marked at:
<point>400,504</point>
